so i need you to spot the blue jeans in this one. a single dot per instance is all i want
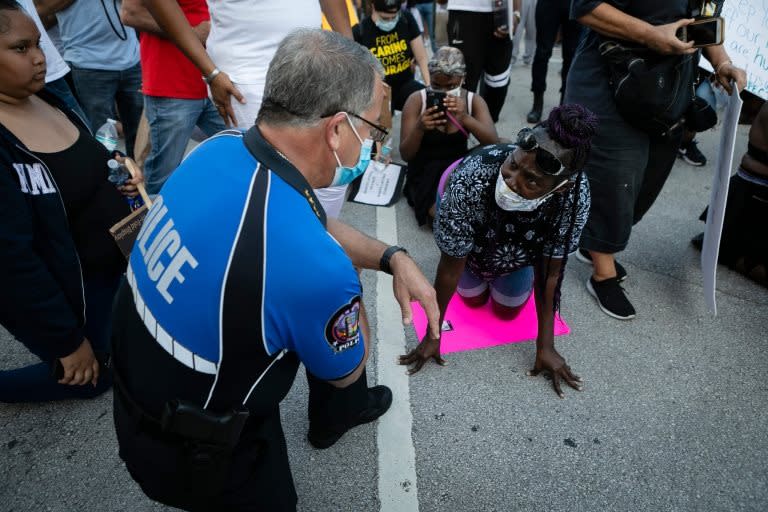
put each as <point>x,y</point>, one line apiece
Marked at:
<point>35,383</point>
<point>427,11</point>
<point>171,122</point>
<point>98,91</point>
<point>61,89</point>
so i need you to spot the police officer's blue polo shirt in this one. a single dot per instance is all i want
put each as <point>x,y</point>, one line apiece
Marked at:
<point>233,269</point>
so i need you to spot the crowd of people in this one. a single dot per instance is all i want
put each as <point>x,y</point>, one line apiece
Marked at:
<point>197,329</point>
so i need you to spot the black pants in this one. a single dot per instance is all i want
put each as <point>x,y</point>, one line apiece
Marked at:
<point>484,54</point>
<point>551,15</point>
<point>260,475</point>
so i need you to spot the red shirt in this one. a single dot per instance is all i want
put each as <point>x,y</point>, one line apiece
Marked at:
<point>165,71</point>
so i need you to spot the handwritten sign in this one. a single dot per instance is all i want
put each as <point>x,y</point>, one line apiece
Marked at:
<point>746,41</point>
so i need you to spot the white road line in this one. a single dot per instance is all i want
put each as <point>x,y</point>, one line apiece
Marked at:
<point>397,456</point>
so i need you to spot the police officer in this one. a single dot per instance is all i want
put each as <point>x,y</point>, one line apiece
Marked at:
<point>237,277</point>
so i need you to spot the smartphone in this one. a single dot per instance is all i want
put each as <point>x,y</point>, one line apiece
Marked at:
<point>704,32</point>
<point>501,15</point>
<point>435,99</point>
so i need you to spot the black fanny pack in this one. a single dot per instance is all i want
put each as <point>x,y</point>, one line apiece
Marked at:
<point>652,92</point>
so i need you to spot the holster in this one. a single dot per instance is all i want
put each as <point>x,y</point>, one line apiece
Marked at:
<point>208,439</point>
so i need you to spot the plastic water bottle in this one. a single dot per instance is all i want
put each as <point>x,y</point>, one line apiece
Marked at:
<point>383,156</point>
<point>118,175</point>
<point>107,135</point>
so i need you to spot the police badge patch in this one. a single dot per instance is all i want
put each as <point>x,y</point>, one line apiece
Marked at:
<point>343,329</point>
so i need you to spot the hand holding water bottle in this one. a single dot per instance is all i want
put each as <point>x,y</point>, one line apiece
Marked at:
<point>384,157</point>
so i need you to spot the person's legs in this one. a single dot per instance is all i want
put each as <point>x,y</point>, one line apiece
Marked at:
<point>60,87</point>
<point>661,158</point>
<point>495,83</point>
<point>509,293</point>
<point>130,104</point>
<point>472,289</point>
<point>209,120</point>
<point>547,25</point>
<point>615,168</point>
<point>428,17</point>
<point>171,122</point>
<point>528,22</point>
<point>467,31</point>
<point>35,383</point>
<point>96,90</point>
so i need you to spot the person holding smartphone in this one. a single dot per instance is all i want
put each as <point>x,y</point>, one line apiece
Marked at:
<point>435,128</point>
<point>627,167</point>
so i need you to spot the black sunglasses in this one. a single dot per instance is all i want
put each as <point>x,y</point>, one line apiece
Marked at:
<point>378,132</point>
<point>546,161</point>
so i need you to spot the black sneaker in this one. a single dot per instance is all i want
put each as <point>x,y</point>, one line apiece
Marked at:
<point>691,154</point>
<point>379,401</point>
<point>583,256</point>
<point>611,298</point>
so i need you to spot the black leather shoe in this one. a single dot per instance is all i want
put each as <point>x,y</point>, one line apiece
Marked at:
<point>534,116</point>
<point>379,401</point>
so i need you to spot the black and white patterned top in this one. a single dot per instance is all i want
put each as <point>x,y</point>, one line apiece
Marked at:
<point>496,242</point>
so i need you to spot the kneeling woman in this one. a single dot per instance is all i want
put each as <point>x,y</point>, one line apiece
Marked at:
<point>59,266</point>
<point>508,218</point>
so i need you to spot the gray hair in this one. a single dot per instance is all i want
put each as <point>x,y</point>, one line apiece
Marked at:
<point>315,74</point>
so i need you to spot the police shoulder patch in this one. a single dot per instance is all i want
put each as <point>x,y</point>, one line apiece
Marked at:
<point>343,328</point>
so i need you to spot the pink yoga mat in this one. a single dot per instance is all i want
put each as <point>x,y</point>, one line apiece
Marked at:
<point>475,328</point>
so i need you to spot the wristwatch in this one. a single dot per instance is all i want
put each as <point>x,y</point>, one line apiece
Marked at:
<point>384,262</point>
<point>516,14</point>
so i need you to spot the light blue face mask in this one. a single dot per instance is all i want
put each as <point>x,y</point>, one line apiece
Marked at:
<point>345,175</point>
<point>388,25</point>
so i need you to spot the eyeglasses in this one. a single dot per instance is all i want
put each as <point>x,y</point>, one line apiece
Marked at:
<point>378,132</point>
<point>546,161</point>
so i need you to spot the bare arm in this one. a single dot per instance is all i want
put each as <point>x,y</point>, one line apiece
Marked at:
<point>51,7</point>
<point>420,56</point>
<point>724,68</point>
<point>171,19</point>
<point>547,358</point>
<point>480,123</point>
<point>337,15</point>
<point>134,14</point>
<point>610,21</point>
<point>411,131</point>
<point>408,282</point>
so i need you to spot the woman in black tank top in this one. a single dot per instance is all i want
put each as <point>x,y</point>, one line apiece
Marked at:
<point>436,126</point>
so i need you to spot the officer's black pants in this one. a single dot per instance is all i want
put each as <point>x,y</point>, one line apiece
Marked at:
<point>551,15</point>
<point>260,476</point>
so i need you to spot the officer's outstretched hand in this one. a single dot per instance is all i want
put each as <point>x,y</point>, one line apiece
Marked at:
<point>409,284</point>
<point>429,348</point>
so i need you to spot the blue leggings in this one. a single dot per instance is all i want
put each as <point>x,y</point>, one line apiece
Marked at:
<point>35,383</point>
<point>511,290</point>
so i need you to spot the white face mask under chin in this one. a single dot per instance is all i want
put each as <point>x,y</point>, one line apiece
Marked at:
<point>509,200</point>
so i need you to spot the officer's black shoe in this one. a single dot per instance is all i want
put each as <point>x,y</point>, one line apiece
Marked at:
<point>379,401</point>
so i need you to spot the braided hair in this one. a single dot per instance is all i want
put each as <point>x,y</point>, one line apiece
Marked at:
<point>572,127</point>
